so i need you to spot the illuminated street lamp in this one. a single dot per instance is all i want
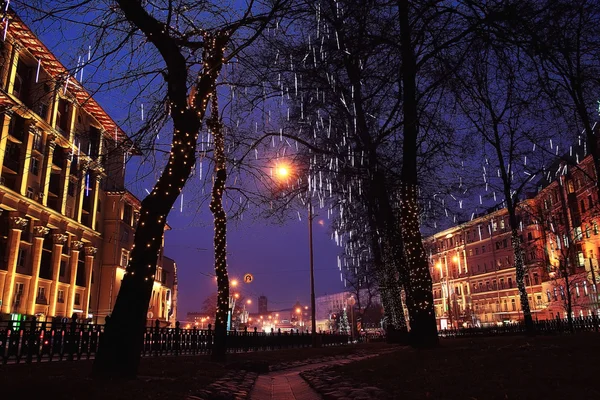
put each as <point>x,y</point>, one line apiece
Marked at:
<point>283,172</point>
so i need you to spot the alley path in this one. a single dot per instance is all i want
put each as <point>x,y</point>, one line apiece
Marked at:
<point>289,385</point>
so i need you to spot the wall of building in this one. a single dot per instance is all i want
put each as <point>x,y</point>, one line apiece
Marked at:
<point>65,217</point>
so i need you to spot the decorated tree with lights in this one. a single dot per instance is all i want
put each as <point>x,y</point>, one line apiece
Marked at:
<point>343,324</point>
<point>189,59</point>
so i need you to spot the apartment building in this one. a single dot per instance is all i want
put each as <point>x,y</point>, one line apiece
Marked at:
<point>62,168</point>
<point>472,264</point>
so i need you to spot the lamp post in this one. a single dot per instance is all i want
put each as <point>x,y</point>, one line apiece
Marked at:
<point>283,173</point>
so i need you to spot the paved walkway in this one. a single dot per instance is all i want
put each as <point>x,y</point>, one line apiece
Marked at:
<point>289,385</point>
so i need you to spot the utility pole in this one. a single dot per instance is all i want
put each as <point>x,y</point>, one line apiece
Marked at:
<point>313,329</point>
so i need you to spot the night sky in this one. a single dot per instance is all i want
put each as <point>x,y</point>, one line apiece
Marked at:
<point>277,255</point>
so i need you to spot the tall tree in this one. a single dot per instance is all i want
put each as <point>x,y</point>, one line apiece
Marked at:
<point>419,295</point>
<point>120,349</point>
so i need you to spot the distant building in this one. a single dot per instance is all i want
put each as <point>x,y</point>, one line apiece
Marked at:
<point>262,305</point>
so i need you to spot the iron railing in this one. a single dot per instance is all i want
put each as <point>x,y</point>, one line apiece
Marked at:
<point>32,341</point>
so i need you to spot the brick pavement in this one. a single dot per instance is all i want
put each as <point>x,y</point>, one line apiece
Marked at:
<point>289,385</point>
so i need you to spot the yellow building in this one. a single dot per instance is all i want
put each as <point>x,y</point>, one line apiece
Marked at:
<point>61,189</point>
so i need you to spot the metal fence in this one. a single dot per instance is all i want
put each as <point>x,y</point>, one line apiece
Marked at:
<point>33,341</point>
<point>545,327</point>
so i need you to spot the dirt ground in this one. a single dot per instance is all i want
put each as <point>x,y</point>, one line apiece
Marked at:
<point>543,367</point>
<point>159,378</point>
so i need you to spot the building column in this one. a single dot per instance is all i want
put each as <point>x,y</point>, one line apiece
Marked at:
<point>76,245</point>
<point>12,67</point>
<point>26,158</point>
<point>4,134</point>
<point>90,252</point>
<point>80,193</point>
<point>36,254</point>
<point>96,189</point>
<point>64,182</point>
<point>58,240</point>
<point>14,240</point>
<point>47,167</point>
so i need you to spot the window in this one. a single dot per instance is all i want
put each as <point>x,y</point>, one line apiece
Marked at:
<point>578,235</point>
<point>34,166</point>
<point>498,245</point>
<point>482,249</point>
<point>77,299</point>
<point>18,294</point>
<point>505,243</point>
<point>585,288</point>
<point>476,251</point>
<point>63,267</point>
<point>510,282</point>
<point>502,223</point>
<point>562,293</point>
<point>513,304</point>
<point>529,236</point>
<point>124,258</point>
<point>21,258</point>
<point>494,285</point>
<point>582,205</point>
<point>590,201</point>
<point>555,296</point>
<point>577,289</point>
<point>71,188</point>
<point>548,294</point>
<point>60,298</point>
<point>536,279</point>
<point>587,232</point>
<point>527,280</point>
<point>127,214</point>
<point>41,295</point>
<point>501,283</point>
<point>37,141</point>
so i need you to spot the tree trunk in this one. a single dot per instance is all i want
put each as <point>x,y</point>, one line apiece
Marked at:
<point>121,345</point>
<point>419,296</point>
<point>520,274</point>
<point>564,269</point>
<point>220,239</point>
<point>377,201</point>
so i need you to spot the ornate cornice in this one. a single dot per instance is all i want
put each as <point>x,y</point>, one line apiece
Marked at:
<point>40,231</point>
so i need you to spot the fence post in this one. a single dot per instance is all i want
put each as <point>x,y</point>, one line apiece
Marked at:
<point>31,339</point>
<point>255,336</point>
<point>209,339</point>
<point>72,338</point>
<point>246,340</point>
<point>595,321</point>
<point>177,338</point>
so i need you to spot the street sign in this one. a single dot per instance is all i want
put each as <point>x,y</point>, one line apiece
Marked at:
<point>248,278</point>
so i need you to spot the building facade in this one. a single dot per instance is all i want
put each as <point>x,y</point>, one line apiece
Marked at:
<point>263,305</point>
<point>472,264</point>
<point>62,167</point>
